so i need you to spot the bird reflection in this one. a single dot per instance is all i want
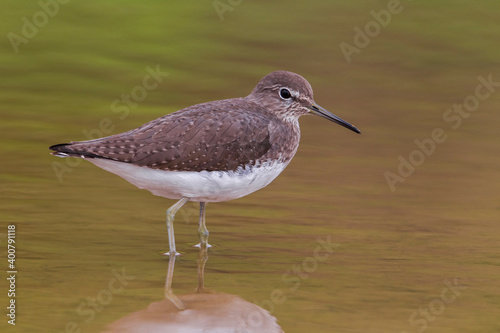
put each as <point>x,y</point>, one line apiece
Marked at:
<point>203,311</point>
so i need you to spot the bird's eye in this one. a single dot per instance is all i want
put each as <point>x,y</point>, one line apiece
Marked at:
<point>285,93</point>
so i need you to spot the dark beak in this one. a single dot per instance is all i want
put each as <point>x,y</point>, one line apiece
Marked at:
<point>319,111</point>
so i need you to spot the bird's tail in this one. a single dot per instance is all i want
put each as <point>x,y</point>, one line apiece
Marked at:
<point>64,150</point>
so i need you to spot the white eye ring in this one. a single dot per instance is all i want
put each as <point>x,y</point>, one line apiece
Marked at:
<point>285,93</point>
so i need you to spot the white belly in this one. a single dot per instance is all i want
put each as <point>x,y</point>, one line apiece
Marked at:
<point>204,186</point>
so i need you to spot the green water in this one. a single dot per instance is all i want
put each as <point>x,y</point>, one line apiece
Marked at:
<point>391,259</point>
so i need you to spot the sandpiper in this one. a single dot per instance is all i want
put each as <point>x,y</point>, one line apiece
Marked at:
<point>210,152</point>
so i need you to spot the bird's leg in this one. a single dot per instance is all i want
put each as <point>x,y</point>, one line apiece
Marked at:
<point>202,229</point>
<point>170,225</point>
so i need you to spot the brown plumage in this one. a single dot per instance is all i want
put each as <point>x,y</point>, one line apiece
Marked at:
<point>213,136</point>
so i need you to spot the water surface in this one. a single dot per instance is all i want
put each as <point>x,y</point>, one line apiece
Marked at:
<point>89,244</point>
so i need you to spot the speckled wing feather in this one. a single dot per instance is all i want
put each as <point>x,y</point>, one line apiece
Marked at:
<point>211,136</point>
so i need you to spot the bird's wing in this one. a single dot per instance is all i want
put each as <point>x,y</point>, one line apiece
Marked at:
<point>198,138</point>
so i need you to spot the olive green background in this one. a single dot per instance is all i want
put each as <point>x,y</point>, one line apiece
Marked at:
<point>394,251</point>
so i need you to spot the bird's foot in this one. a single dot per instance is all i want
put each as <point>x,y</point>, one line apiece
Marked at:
<point>170,253</point>
<point>199,245</point>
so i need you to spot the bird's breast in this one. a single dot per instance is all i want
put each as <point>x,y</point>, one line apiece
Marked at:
<point>285,138</point>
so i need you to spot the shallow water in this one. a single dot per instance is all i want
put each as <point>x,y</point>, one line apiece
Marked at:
<point>328,246</point>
